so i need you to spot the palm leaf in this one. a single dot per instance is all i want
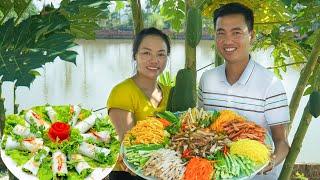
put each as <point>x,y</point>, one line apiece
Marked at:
<point>35,41</point>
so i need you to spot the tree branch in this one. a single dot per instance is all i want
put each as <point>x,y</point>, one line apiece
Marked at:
<point>282,22</point>
<point>289,64</point>
<point>303,79</point>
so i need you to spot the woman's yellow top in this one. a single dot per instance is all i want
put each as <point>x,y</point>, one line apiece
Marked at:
<point>128,96</point>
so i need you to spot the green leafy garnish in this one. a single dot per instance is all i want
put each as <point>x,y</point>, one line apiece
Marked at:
<point>19,157</point>
<point>12,121</point>
<point>175,121</point>
<point>40,153</point>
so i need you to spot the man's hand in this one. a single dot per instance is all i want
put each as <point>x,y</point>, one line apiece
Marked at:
<point>270,166</point>
<point>281,147</point>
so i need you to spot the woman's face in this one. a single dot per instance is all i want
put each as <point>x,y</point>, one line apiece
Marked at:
<point>151,56</point>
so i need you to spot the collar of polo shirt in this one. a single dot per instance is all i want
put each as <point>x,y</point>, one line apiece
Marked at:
<point>244,76</point>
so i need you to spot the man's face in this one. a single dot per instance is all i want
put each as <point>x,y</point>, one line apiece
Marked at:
<point>233,38</point>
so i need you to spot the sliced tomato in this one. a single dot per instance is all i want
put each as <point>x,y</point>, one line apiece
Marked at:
<point>60,130</point>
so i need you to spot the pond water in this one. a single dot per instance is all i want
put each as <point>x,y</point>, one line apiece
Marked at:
<point>103,63</point>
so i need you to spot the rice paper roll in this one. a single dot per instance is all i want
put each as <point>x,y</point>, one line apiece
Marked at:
<point>51,113</point>
<point>11,144</point>
<point>33,118</point>
<point>82,167</point>
<point>102,136</point>
<point>59,163</point>
<point>22,131</point>
<point>93,152</point>
<point>86,124</point>
<point>30,144</point>
<point>76,111</point>
<point>32,166</point>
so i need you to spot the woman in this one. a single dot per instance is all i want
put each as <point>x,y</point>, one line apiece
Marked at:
<point>141,95</point>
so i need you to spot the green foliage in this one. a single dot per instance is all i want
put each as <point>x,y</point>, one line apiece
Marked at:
<point>20,6</point>
<point>83,16</point>
<point>32,43</point>
<point>18,9</point>
<point>300,176</point>
<point>285,49</point>
<point>5,8</point>
<point>154,2</point>
<point>38,39</point>
<point>155,20</point>
<point>119,5</point>
<point>174,12</point>
<point>166,79</point>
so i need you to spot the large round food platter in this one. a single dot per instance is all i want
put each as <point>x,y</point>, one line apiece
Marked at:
<point>59,142</point>
<point>197,145</point>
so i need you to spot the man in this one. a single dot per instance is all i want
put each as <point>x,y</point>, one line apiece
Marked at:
<point>243,85</point>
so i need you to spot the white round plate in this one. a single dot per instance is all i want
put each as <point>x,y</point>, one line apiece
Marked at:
<point>97,174</point>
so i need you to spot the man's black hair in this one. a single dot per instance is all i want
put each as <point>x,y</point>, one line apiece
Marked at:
<point>235,8</point>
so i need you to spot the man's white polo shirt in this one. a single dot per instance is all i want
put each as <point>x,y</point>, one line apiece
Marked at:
<point>258,94</point>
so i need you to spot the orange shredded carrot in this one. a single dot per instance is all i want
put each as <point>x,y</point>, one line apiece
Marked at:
<point>225,116</point>
<point>164,122</point>
<point>198,168</point>
<point>71,110</point>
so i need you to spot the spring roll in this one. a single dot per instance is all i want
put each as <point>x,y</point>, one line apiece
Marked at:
<point>32,166</point>
<point>76,111</point>
<point>59,164</point>
<point>102,136</point>
<point>51,113</point>
<point>22,131</point>
<point>31,117</point>
<point>11,143</point>
<point>82,167</point>
<point>86,124</point>
<point>93,151</point>
<point>30,144</point>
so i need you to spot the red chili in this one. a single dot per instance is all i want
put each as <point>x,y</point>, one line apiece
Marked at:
<point>186,153</point>
<point>60,130</point>
<point>184,126</point>
<point>225,150</point>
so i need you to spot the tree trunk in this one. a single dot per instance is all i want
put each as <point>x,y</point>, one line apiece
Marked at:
<point>191,62</point>
<point>303,80</point>
<point>299,136</point>
<point>190,52</point>
<point>136,16</point>
<point>296,144</point>
<point>15,106</point>
<point>2,111</point>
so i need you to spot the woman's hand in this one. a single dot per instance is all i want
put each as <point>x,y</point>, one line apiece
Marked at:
<point>123,166</point>
<point>122,120</point>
